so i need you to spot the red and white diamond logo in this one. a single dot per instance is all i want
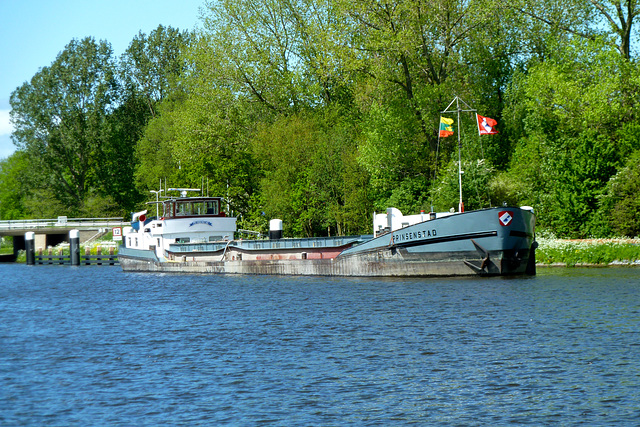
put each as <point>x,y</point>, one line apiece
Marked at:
<point>505,217</point>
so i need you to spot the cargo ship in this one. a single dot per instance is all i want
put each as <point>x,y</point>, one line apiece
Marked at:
<point>194,235</point>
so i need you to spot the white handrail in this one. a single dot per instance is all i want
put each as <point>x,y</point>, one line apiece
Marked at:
<point>14,224</point>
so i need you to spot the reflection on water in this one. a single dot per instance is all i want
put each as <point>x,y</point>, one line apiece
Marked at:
<point>94,345</point>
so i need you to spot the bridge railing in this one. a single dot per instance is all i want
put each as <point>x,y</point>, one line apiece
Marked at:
<point>61,222</point>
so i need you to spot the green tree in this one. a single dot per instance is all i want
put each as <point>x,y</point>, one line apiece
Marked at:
<point>587,19</point>
<point>282,54</point>
<point>567,112</point>
<point>215,124</point>
<point>152,70</point>
<point>620,201</point>
<point>154,153</point>
<point>15,186</point>
<point>201,135</point>
<point>257,41</point>
<point>408,60</point>
<point>311,177</point>
<point>115,172</point>
<point>153,64</point>
<point>59,118</point>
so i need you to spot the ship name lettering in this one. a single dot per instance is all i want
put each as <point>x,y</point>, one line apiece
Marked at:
<point>201,222</point>
<point>414,235</point>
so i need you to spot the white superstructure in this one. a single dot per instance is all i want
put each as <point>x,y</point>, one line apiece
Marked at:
<point>184,220</point>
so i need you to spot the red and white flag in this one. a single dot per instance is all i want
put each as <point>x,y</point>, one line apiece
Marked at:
<point>486,126</point>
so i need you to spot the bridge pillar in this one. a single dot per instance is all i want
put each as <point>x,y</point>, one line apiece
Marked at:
<point>74,246</point>
<point>29,243</point>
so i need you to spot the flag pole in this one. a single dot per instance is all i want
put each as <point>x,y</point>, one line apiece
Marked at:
<point>457,101</point>
<point>435,170</point>
<point>460,203</point>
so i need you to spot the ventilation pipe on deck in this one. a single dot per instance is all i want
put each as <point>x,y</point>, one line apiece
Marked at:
<point>275,229</point>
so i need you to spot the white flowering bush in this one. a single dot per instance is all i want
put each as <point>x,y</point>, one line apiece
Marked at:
<point>588,251</point>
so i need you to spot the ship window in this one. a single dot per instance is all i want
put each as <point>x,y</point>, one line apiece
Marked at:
<point>211,207</point>
<point>167,209</point>
<point>198,208</point>
<point>182,240</point>
<point>183,209</point>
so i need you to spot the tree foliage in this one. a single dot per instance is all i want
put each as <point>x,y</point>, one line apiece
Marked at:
<point>15,184</point>
<point>276,52</point>
<point>153,64</point>
<point>620,202</point>
<point>319,112</point>
<point>568,120</point>
<point>59,117</point>
<point>311,177</point>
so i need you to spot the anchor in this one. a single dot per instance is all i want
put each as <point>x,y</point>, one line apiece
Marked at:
<point>486,262</point>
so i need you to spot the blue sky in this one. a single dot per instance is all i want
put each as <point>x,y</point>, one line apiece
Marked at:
<point>33,32</point>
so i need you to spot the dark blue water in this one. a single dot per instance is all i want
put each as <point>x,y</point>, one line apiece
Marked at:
<point>96,346</point>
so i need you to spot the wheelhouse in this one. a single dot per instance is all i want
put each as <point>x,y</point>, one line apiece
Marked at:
<point>192,207</point>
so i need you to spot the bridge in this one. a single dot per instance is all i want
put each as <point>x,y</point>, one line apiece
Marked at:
<point>51,232</point>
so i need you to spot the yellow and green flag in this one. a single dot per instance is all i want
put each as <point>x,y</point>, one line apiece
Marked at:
<point>446,127</point>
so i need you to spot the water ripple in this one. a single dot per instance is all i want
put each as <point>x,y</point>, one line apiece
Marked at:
<point>93,345</point>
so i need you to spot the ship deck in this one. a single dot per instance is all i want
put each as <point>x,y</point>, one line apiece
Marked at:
<point>270,245</point>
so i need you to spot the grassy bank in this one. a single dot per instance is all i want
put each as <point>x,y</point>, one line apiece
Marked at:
<point>588,252</point>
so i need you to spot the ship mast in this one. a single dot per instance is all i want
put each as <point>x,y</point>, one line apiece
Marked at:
<point>459,110</point>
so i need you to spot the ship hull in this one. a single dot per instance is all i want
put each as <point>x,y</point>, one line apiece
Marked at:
<point>489,242</point>
<point>382,264</point>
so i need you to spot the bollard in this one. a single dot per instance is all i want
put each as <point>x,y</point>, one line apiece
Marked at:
<point>74,247</point>
<point>29,244</point>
